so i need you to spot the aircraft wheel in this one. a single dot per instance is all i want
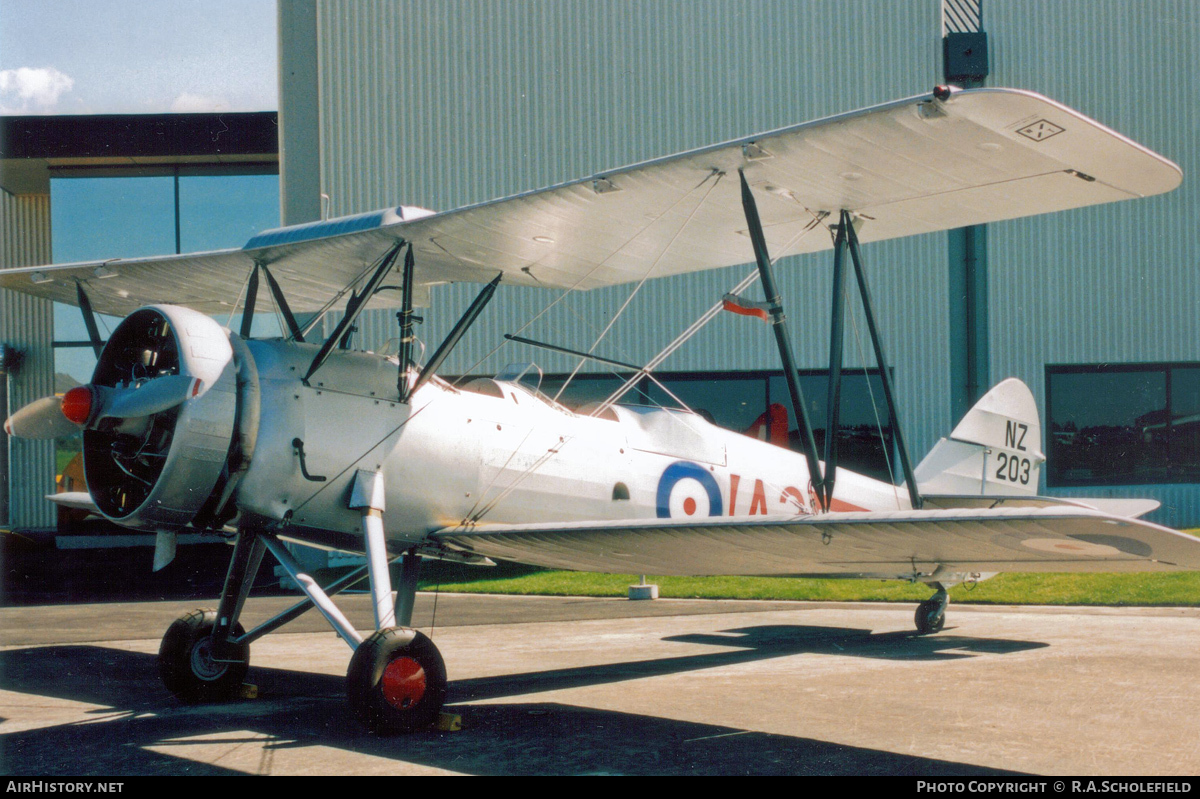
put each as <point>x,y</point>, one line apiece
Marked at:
<point>186,665</point>
<point>396,682</point>
<point>931,616</point>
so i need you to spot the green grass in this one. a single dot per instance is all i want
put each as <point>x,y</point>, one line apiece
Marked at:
<point>1178,589</point>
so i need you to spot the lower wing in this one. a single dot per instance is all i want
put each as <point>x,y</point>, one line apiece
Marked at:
<point>918,544</point>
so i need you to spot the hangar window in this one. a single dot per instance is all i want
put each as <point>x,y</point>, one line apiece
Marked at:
<point>1123,424</point>
<point>99,212</point>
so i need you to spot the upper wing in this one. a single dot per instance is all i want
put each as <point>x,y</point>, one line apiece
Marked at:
<point>894,544</point>
<point>907,167</point>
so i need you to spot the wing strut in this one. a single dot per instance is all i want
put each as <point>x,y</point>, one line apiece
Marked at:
<point>577,353</point>
<point>452,338</point>
<point>354,309</point>
<point>89,319</point>
<point>865,293</point>
<point>782,338</point>
<point>251,301</point>
<point>405,317</point>
<point>836,347</point>
<point>281,302</point>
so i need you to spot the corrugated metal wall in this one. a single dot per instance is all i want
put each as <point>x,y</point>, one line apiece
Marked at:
<point>456,101</point>
<point>1117,283</point>
<point>27,324</point>
<point>441,104</point>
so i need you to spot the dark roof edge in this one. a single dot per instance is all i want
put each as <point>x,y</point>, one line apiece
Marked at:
<point>139,135</point>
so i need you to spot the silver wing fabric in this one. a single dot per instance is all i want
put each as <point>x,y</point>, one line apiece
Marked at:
<point>894,544</point>
<point>912,166</point>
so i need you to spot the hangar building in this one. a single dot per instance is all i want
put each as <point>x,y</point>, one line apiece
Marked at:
<point>450,102</point>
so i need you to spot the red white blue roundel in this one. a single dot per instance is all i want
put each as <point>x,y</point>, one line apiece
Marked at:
<point>687,490</point>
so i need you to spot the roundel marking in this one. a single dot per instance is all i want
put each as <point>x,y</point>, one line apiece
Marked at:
<point>678,472</point>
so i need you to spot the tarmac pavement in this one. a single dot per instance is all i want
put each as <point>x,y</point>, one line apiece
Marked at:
<point>608,686</point>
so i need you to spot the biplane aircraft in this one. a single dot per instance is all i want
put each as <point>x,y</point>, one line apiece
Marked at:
<point>188,425</point>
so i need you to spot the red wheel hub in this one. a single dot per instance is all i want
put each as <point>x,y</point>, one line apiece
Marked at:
<point>403,683</point>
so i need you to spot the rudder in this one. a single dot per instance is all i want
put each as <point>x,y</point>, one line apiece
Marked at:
<point>995,450</point>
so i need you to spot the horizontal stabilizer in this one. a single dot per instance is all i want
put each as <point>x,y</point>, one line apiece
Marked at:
<point>1121,506</point>
<point>1114,506</point>
<point>893,544</point>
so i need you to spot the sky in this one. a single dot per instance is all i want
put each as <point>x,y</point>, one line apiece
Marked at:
<point>137,56</point>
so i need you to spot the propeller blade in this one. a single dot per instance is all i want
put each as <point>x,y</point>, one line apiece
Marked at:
<point>164,549</point>
<point>40,419</point>
<point>153,396</point>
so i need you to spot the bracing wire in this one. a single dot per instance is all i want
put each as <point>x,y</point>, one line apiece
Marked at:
<point>706,317</point>
<point>566,292</point>
<point>238,301</point>
<point>476,513</point>
<point>862,358</point>
<point>646,276</point>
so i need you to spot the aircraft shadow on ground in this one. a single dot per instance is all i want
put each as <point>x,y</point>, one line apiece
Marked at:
<point>136,719</point>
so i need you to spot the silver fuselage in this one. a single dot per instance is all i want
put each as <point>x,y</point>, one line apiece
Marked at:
<point>497,452</point>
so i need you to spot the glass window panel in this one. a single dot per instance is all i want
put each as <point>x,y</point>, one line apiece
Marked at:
<point>75,363</point>
<point>96,218</point>
<point>221,211</point>
<point>1185,392</point>
<point>1108,426</point>
<point>862,446</point>
<point>1185,424</point>
<point>732,403</point>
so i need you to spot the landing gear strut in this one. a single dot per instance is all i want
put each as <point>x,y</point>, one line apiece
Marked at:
<point>397,679</point>
<point>931,614</point>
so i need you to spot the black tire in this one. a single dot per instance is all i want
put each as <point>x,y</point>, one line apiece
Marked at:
<point>185,660</point>
<point>930,617</point>
<point>396,682</point>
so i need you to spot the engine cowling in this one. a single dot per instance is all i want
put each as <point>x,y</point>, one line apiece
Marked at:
<point>158,472</point>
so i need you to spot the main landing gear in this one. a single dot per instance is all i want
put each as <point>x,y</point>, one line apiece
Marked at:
<point>931,614</point>
<point>396,681</point>
<point>187,664</point>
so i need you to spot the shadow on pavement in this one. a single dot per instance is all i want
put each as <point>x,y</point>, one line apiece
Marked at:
<point>136,719</point>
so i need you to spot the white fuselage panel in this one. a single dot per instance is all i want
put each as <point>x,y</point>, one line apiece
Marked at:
<point>456,457</point>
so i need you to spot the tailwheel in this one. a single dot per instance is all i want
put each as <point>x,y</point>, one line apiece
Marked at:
<point>931,614</point>
<point>187,664</point>
<point>396,682</point>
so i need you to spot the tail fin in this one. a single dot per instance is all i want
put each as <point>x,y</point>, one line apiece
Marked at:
<point>771,426</point>
<point>995,450</point>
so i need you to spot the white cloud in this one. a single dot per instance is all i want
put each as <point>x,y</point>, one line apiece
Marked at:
<point>32,89</point>
<point>188,103</point>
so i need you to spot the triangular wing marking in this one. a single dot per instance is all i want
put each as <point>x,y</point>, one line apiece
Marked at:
<point>899,543</point>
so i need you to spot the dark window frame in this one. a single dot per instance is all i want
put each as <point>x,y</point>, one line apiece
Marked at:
<point>1168,471</point>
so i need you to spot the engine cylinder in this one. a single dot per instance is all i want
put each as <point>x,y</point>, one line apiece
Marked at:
<point>156,473</point>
